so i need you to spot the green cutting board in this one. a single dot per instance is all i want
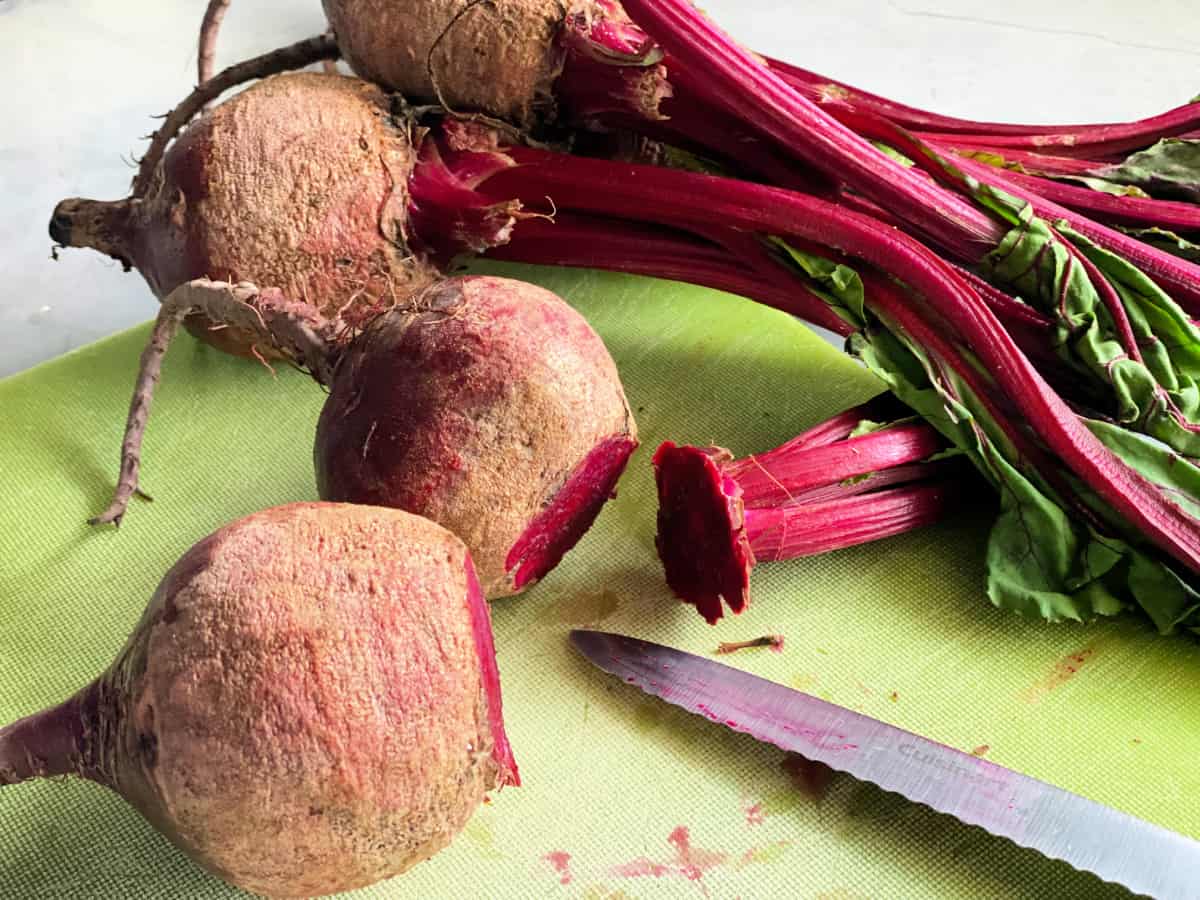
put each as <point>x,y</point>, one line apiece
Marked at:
<point>623,797</point>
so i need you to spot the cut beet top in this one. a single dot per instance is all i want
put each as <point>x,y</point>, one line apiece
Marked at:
<point>825,490</point>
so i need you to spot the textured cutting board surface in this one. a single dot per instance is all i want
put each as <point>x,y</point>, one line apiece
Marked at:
<point>623,797</point>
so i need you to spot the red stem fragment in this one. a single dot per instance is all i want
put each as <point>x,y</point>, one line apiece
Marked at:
<point>823,89</point>
<point>820,492</point>
<point>774,641</point>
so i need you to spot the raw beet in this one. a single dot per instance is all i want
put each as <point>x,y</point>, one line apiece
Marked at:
<point>309,704</point>
<point>499,56</point>
<point>299,183</point>
<point>488,405</point>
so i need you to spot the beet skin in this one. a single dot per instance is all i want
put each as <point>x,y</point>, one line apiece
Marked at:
<point>485,404</point>
<point>297,183</point>
<point>310,703</point>
<point>499,57</point>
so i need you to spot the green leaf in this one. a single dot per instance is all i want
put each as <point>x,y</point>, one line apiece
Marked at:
<point>678,158</point>
<point>1165,597</point>
<point>1106,186</point>
<point>1154,461</point>
<point>892,153</point>
<point>1041,560</point>
<point>1168,241</point>
<point>1171,168</point>
<point>1042,563</point>
<point>835,283</point>
<point>993,159</point>
<point>1160,394</point>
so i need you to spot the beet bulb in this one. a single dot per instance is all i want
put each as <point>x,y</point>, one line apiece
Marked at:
<point>310,703</point>
<point>490,406</point>
<point>298,182</point>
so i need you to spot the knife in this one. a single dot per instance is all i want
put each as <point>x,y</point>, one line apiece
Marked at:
<point>1118,847</point>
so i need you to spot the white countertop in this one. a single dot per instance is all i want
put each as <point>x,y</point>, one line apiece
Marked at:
<point>83,77</point>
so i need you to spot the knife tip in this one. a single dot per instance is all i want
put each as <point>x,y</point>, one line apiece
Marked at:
<point>581,637</point>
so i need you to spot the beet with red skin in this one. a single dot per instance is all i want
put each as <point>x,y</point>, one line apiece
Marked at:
<point>297,183</point>
<point>488,405</point>
<point>309,704</point>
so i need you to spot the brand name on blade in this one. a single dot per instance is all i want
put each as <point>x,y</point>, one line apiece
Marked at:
<point>933,761</point>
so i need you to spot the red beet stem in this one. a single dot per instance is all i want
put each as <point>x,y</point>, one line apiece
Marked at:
<point>906,314</point>
<point>1178,277</point>
<point>778,476</point>
<point>715,520</point>
<point>731,75</point>
<point>1094,140</point>
<point>610,67</point>
<point>485,649</point>
<point>1033,163</point>
<point>1008,308</point>
<point>620,246</point>
<point>883,408</point>
<point>1110,299</point>
<point>696,126</point>
<point>1033,333</point>
<point>613,78</point>
<point>822,88</point>
<point>56,741</point>
<point>616,245</point>
<point>790,532</point>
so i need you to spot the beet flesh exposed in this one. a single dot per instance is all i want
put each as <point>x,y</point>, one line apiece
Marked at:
<point>310,703</point>
<point>488,405</point>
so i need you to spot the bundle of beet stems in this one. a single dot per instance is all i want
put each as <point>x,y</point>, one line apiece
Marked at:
<point>1054,351</point>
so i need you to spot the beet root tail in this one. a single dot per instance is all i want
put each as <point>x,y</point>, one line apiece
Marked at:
<point>55,741</point>
<point>296,329</point>
<point>101,225</point>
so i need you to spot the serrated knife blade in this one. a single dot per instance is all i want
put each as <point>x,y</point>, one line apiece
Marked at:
<point>1143,857</point>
